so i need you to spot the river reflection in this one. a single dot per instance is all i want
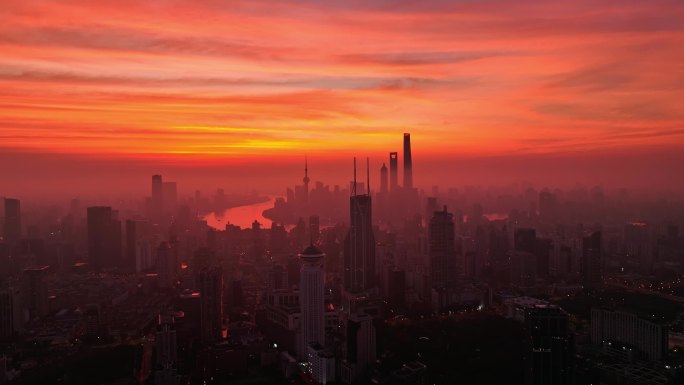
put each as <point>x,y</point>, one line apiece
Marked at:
<point>242,216</point>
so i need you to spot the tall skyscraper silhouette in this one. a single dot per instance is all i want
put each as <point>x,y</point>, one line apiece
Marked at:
<point>383,179</point>
<point>551,345</point>
<point>359,245</point>
<point>166,271</point>
<point>11,313</point>
<point>408,166</point>
<point>442,250</point>
<point>311,298</point>
<point>104,238</point>
<point>157,202</point>
<point>35,291</point>
<point>211,303</point>
<point>12,232</point>
<point>591,259</point>
<point>306,180</point>
<point>394,183</point>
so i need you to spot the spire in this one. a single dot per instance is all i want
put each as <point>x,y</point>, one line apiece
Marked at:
<point>306,170</point>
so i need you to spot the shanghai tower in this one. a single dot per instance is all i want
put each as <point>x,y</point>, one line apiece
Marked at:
<point>408,167</point>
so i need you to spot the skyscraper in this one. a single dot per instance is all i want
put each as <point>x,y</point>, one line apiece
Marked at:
<point>591,259</point>
<point>104,238</point>
<point>360,347</point>
<point>311,298</point>
<point>166,271</point>
<point>166,351</point>
<point>35,292</point>
<point>211,304</point>
<point>359,245</point>
<point>11,313</point>
<point>12,232</point>
<point>408,166</point>
<point>394,183</point>
<point>551,360</point>
<point>169,197</point>
<point>157,202</point>
<point>524,240</point>
<point>442,250</point>
<point>383,179</point>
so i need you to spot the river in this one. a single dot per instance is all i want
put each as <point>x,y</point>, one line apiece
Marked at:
<point>242,216</point>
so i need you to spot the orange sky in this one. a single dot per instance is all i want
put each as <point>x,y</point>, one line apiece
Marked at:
<point>219,80</point>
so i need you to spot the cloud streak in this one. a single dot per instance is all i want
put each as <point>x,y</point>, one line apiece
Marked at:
<point>273,77</point>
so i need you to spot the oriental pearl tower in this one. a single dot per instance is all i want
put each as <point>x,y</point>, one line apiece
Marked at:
<point>306,180</point>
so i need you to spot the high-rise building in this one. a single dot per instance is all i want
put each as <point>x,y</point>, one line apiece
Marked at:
<point>166,351</point>
<point>314,228</point>
<point>104,238</point>
<point>551,360</point>
<point>360,347</point>
<point>359,245</point>
<point>211,304</point>
<point>442,250</point>
<point>12,232</point>
<point>169,197</point>
<point>548,205</point>
<point>138,246</point>
<point>157,202</point>
<point>408,166</point>
<point>311,298</point>
<point>394,164</point>
<point>35,292</point>
<point>621,331</point>
<point>384,179</point>
<point>524,240</point>
<point>591,259</point>
<point>11,313</point>
<point>166,265</point>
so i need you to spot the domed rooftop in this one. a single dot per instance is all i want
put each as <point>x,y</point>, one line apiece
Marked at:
<point>311,250</point>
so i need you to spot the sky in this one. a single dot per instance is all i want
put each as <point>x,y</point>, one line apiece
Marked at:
<point>94,94</point>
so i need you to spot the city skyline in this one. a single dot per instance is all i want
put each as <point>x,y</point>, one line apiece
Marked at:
<point>168,88</point>
<point>300,192</point>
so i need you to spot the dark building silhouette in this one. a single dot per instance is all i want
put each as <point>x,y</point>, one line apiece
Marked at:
<point>312,298</point>
<point>442,250</point>
<point>551,356</point>
<point>211,304</point>
<point>157,202</point>
<point>11,313</point>
<point>408,166</point>
<point>35,292</point>
<point>12,229</point>
<point>525,240</point>
<point>394,182</point>
<point>359,245</point>
<point>314,228</point>
<point>548,205</point>
<point>591,260</point>
<point>384,179</point>
<point>104,238</point>
<point>137,254</point>
<point>169,197</point>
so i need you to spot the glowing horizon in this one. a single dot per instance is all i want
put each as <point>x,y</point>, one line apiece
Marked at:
<point>222,80</point>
